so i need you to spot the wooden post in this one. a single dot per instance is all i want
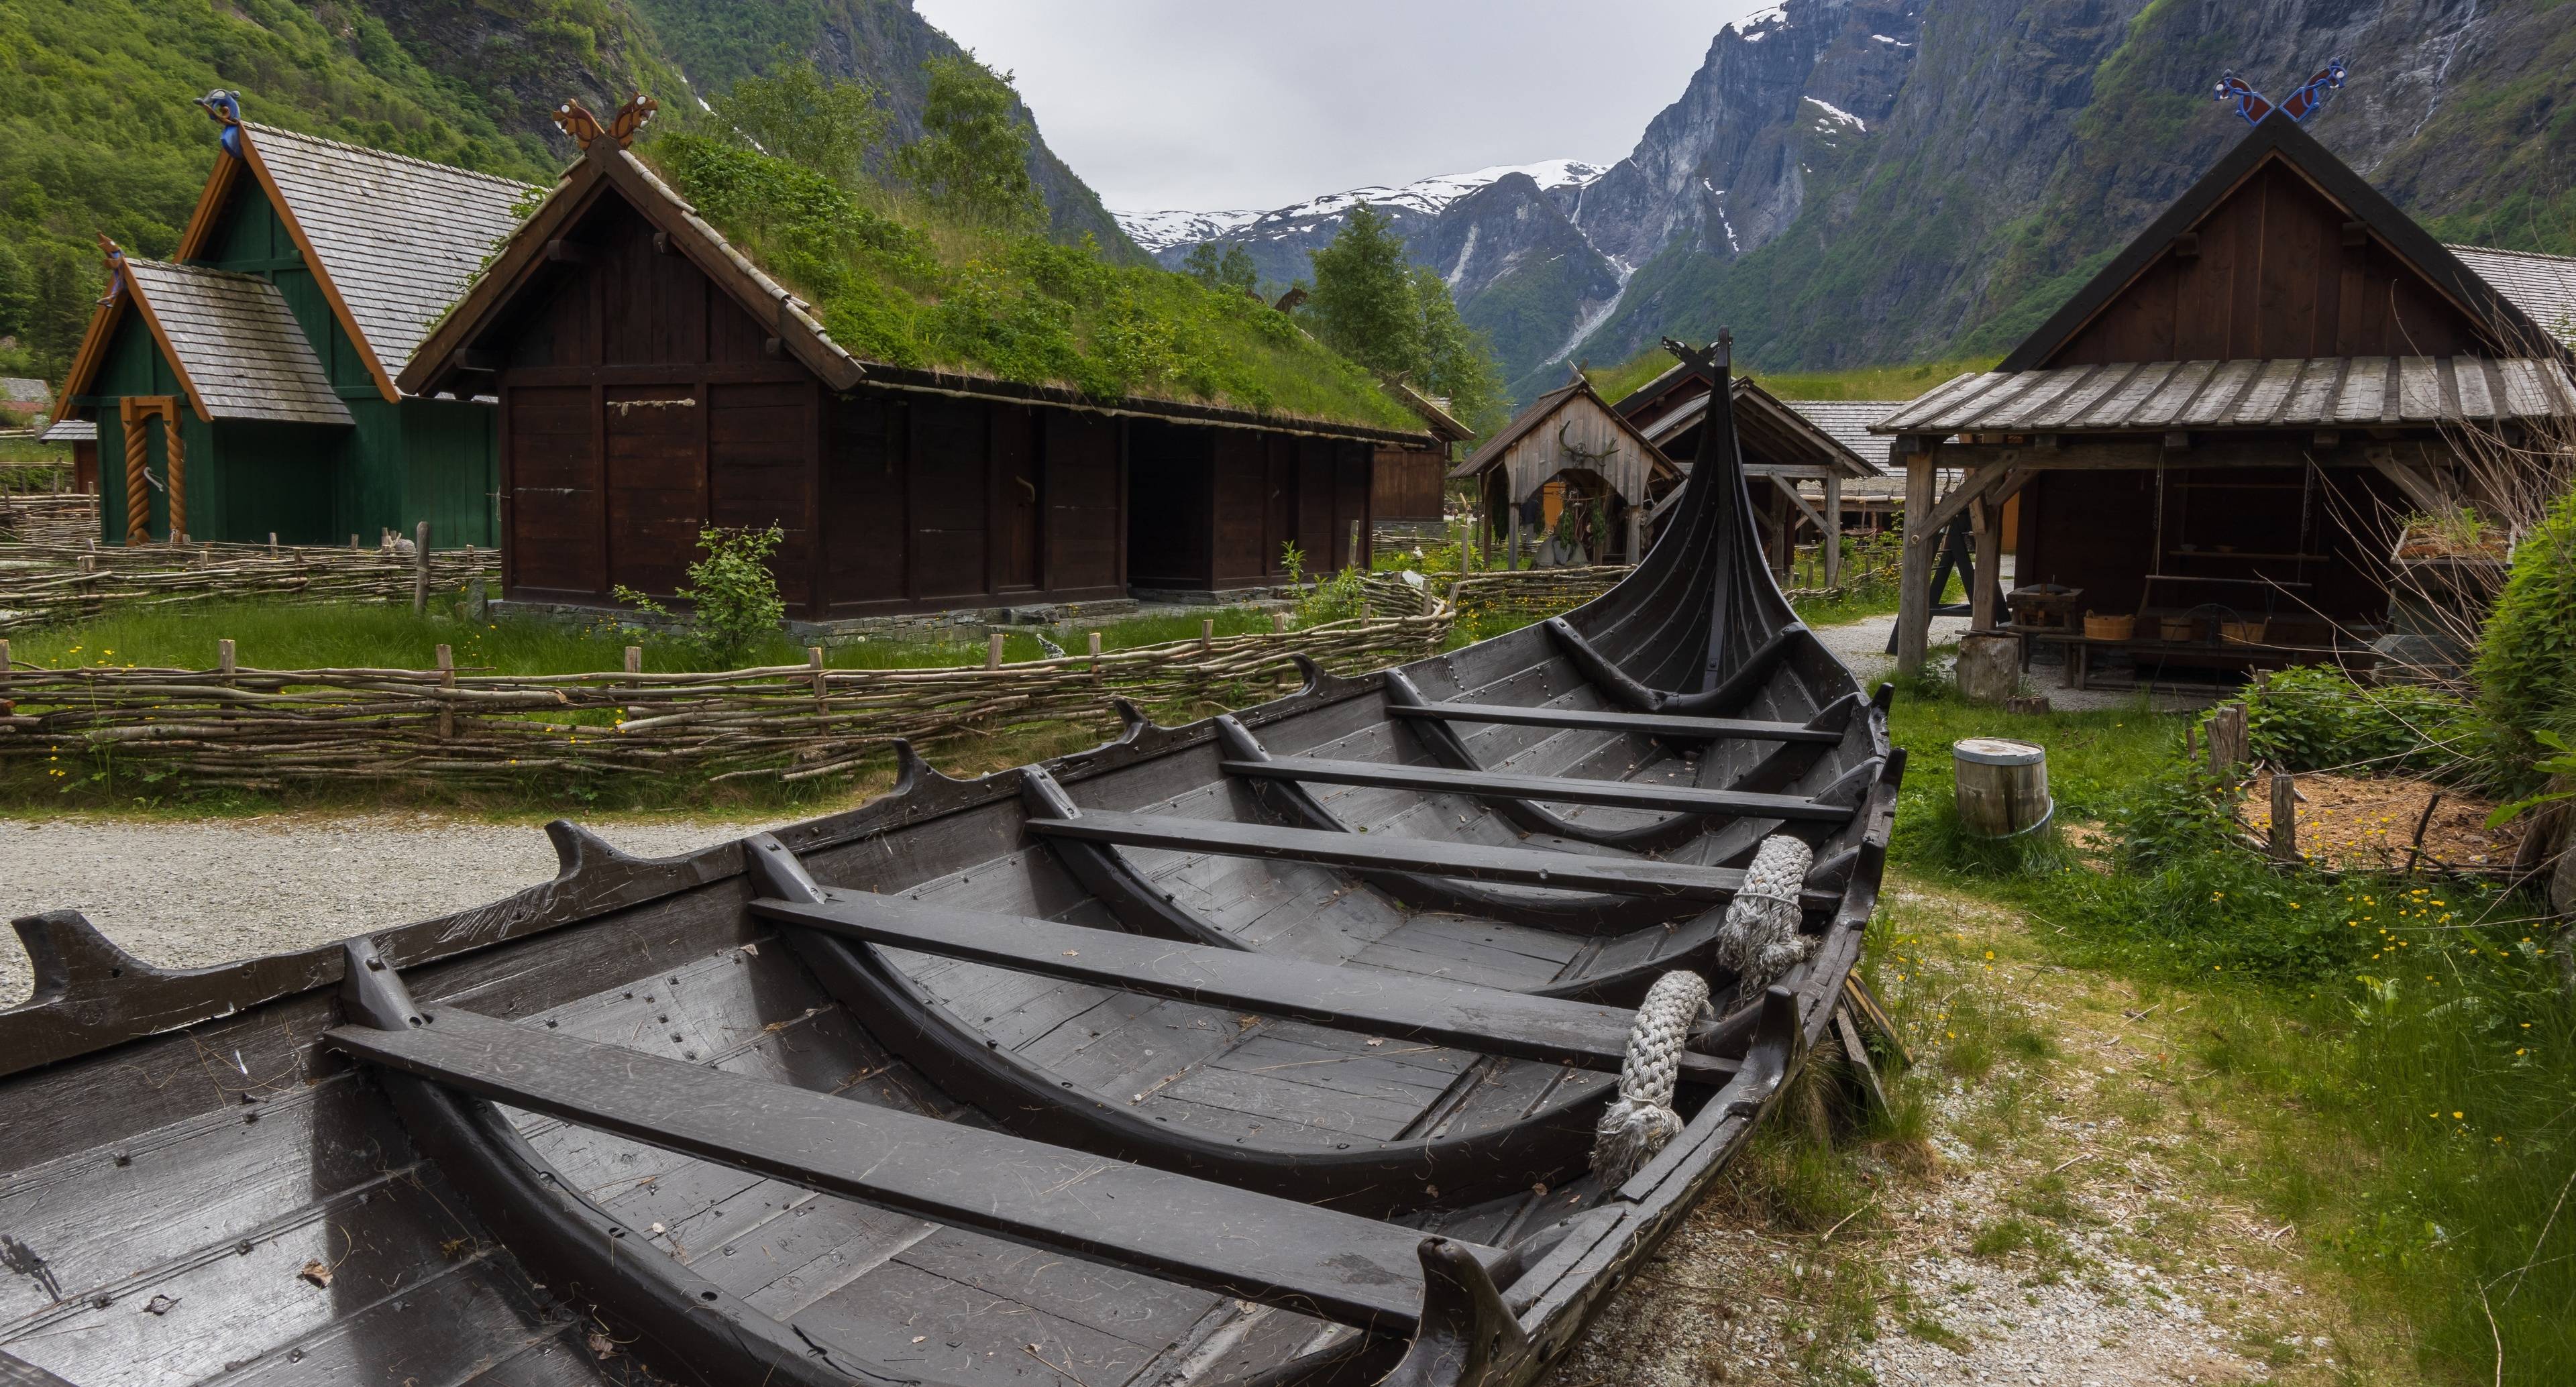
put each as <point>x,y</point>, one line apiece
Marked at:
<point>1986,518</point>
<point>2285,816</point>
<point>272,544</point>
<point>224,659</point>
<point>353,544</point>
<point>1637,532</point>
<point>420,570</point>
<point>447,680</point>
<point>1095,653</point>
<point>822,689</point>
<point>1833,532</point>
<point>2228,747</point>
<point>1914,578</point>
<point>1516,539</point>
<point>1279,622</point>
<point>993,651</point>
<point>4,654</point>
<point>1207,635</point>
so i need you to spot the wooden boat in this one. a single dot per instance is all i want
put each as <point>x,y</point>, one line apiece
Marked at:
<point>1357,1037</point>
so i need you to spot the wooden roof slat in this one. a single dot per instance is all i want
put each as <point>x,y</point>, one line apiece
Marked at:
<point>2264,395</point>
<point>2363,396</point>
<point>2419,389</point>
<point>2073,404</point>
<point>2524,392</point>
<point>2167,403</point>
<point>2312,399</point>
<point>2016,413</point>
<point>2217,400</point>
<point>1933,403</point>
<point>2133,392</point>
<point>2477,395</point>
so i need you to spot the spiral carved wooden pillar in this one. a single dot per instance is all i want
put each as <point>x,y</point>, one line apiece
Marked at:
<point>138,501</point>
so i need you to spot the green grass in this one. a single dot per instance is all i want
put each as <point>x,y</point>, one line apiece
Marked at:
<point>275,636</point>
<point>2402,1049</point>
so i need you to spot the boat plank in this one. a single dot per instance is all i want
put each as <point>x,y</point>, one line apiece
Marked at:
<point>1642,724</point>
<point>1202,1233</point>
<point>1622,794</point>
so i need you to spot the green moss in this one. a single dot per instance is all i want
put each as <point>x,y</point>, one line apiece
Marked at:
<point>894,283</point>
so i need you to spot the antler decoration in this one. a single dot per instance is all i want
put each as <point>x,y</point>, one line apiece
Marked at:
<point>1713,358</point>
<point>2303,103</point>
<point>224,108</point>
<point>115,257</point>
<point>578,122</point>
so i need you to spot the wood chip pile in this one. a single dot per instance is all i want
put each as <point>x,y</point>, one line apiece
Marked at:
<point>270,728</point>
<point>48,584</point>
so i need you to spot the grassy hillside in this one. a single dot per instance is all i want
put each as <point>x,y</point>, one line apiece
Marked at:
<point>98,132</point>
<point>1859,383</point>
<point>894,283</point>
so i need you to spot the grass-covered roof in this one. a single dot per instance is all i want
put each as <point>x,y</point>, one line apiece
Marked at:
<point>893,282</point>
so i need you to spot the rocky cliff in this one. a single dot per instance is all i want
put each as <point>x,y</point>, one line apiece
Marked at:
<point>1851,182</point>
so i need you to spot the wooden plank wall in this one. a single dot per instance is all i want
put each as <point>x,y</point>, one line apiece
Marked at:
<point>1408,484</point>
<point>2275,270</point>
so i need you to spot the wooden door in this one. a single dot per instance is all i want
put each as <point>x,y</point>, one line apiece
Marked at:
<point>555,526</point>
<point>657,484</point>
<point>1017,500</point>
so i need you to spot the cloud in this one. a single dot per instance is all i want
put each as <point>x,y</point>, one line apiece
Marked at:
<point>1164,104</point>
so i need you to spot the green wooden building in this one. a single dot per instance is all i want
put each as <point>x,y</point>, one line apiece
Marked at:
<point>273,337</point>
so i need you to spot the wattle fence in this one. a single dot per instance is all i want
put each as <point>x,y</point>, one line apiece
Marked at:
<point>49,584</point>
<point>267,729</point>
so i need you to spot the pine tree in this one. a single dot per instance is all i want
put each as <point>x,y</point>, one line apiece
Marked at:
<point>1363,301</point>
<point>1231,270</point>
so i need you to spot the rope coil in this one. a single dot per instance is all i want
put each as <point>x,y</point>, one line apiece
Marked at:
<point>1759,939</point>
<point>1641,1120</point>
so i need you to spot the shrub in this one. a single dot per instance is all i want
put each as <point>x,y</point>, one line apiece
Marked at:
<point>2526,663</point>
<point>738,606</point>
<point>2312,717</point>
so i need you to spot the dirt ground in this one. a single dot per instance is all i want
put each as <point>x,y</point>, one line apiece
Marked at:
<point>2369,822</point>
<point>2059,1208</point>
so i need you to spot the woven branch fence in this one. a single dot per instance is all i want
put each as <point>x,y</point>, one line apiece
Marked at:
<point>48,517</point>
<point>265,729</point>
<point>48,584</point>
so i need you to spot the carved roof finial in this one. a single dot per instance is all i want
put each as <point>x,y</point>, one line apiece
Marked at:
<point>224,108</point>
<point>114,256</point>
<point>2312,94</point>
<point>578,122</point>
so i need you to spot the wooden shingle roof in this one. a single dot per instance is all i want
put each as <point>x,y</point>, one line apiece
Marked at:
<point>395,240</point>
<point>2321,392</point>
<point>2542,286</point>
<point>235,344</point>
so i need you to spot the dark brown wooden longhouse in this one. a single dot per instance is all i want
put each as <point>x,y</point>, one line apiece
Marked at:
<point>653,381</point>
<point>2219,427</point>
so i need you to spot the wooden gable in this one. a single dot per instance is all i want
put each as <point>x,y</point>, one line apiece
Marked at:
<point>2280,252</point>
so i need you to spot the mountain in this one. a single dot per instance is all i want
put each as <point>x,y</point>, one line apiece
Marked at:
<point>1849,182</point>
<point>98,133</point>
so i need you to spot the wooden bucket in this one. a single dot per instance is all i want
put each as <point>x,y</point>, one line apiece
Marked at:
<point>2179,628</point>
<point>2001,786</point>
<point>2242,632</point>
<point>2113,627</point>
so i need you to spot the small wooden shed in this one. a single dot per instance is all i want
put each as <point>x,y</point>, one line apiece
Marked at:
<point>654,381</point>
<point>1570,449</point>
<point>2280,350</point>
<point>1411,486</point>
<point>248,381</point>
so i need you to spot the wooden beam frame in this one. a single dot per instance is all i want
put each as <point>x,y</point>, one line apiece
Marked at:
<point>1914,574</point>
<point>1604,720</point>
<point>1490,785</point>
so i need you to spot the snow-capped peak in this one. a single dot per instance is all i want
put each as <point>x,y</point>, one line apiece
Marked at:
<point>1161,231</point>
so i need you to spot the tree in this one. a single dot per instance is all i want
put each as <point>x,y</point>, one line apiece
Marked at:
<point>1231,270</point>
<point>798,114</point>
<point>1373,307</point>
<point>1363,301</point>
<point>971,161</point>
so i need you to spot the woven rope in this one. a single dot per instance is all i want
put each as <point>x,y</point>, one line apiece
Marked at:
<point>1641,1121</point>
<point>1760,938</point>
<point>138,500</point>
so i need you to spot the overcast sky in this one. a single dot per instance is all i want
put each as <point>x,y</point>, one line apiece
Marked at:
<point>1208,104</point>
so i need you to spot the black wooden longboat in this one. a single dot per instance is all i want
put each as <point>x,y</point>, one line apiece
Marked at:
<point>1265,1050</point>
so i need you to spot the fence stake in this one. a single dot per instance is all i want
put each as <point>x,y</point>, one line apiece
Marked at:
<point>4,654</point>
<point>2285,816</point>
<point>814,662</point>
<point>272,544</point>
<point>420,570</point>
<point>1279,622</point>
<point>1095,652</point>
<point>1207,630</point>
<point>993,650</point>
<point>447,680</point>
<point>224,662</point>
<point>1355,545</point>
<point>353,543</point>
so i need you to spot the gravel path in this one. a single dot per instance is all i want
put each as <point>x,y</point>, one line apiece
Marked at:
<point>191,894</point>
<point>1862,645</point>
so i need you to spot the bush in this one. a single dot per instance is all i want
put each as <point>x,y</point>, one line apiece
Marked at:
<point>738,606</point>
<point>2526,663</point>
<point>2312,717</point>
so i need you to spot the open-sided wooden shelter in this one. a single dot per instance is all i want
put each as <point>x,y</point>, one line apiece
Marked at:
<point>1781,444</point>
<point>654,381</point>
<point>2282,349</point>
<point>248,382</point>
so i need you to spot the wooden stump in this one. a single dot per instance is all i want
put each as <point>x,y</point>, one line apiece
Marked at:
<point>2002,786</point>
<point>2228,749</point>
<point>2285,817</point>
<point>1989,667</point>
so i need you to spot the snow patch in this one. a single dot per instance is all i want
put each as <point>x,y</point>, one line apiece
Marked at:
<point>1466,253</point>
<point>1837,113</point>
<point>1761,24</point>
<point>1891,42</point>
<point>1160,231</point>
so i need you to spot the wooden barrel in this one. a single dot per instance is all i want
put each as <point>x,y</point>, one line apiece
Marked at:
<point>2002,786</point>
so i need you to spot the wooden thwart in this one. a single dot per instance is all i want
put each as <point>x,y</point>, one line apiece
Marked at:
<point>1255,1247</point>
<point>1473,861</point>
<point>1648,724</point>
<point>1622,794</point>
<point>1400,1005</point>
